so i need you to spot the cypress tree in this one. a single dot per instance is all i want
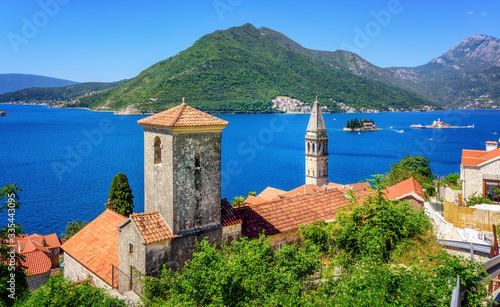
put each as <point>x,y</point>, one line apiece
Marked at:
<point>120,195</point>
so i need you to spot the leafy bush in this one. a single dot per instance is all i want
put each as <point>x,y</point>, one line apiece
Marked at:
<point>61,292</point>
<point>72,228</point>
<point>477,199</point>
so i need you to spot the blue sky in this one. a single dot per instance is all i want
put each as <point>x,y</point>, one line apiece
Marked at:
<point>112,40</point>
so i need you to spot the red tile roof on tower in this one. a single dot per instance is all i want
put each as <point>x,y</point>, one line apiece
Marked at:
<point>151,227</point>
<point>182,116</point>
<point>36,262</point>
<point>96,245</point>
<point>409,187</point>
<point>228,215</point>
<point>477,157</point>
<point>288,213</point>
<point>271,193</point>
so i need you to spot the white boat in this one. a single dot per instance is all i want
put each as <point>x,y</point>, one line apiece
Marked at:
<point>419,126</point>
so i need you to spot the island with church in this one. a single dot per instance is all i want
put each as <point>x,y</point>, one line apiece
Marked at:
<point>358,125</point>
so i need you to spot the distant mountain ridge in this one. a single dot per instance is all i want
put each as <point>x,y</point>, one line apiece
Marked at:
<point>240,69</point>
<point>14,82</point>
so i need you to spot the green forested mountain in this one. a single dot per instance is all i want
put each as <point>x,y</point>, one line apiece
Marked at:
<point>53,94</point>
<point>240,70</point>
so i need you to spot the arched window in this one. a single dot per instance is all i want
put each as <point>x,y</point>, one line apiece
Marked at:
<point>314,150</point>
<point>157,150</point>
<point>308,147</point>
<point>197,160</point>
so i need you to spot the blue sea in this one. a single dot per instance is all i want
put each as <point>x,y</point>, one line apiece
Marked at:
<point>65,159</point>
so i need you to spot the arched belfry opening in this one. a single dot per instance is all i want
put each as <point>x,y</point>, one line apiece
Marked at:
<point>157,150</point>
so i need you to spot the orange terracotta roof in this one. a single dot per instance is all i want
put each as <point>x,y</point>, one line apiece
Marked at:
<point>96,245</point>
<point>287,214</point>
<point>252,200</point>
<point>491,143</point>
<point>151,227</point>
<point>405,188</point>
<point>36,262</point>
<point>182,116</point>
<point>476,157</point>
<point>303,190</point>
<point>29,243</point>
<point>228,215</point>
<point>271,193</point>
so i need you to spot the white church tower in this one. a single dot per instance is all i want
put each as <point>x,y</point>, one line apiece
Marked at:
<point>316,148</point>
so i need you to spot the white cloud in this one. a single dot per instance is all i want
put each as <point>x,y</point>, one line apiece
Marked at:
<point>470,13</point>
<point>483,13</point>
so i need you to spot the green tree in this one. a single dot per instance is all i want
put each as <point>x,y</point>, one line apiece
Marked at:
<point>72,228</point>
<point>61,292</point>
<point>242,273</point>
<point>238,201</point>
<point>417,167</point>
<point>120,195</point>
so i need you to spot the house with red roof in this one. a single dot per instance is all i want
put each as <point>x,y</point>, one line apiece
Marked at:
<point>409,190</point>
<point>41,255</point>
<point>480,171</point>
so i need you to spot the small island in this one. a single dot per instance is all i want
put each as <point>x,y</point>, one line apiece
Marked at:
<point>438,125</point>
<point>361,125</point>
<point>3,113</point>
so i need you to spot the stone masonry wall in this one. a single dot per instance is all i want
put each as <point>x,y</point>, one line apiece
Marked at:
<point>75,271</point>
<point>35,281</point>
<point>473,177</point>
<point>196,189</point>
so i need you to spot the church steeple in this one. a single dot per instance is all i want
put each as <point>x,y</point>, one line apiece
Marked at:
<point>316,148</point>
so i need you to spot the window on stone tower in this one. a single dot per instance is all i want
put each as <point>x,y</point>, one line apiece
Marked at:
<point>308,147</point>
<point>314,150</point>
<point>130,248</point>
<point>157,150</point>
<point>197,160</point>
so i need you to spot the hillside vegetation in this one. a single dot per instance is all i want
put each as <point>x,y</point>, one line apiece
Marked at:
<point>240,70</point>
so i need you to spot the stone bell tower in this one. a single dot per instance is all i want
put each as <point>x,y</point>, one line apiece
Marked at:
<point>316,148</point>
<point>182,168</point>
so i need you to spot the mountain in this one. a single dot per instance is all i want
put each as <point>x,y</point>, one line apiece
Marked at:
<point>14,82</point>
<point>57,94</point>
<point>240,69</point>
<point>467,75</point>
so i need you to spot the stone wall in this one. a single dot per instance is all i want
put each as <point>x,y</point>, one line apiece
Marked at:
<point>75,271</point>
<point>196,188</point>
<point>129,234</point>
<point>283,238</point>
<point>158,178</point>
<point>35,281</point>
<point>472,177</point>
<point>231,233</point>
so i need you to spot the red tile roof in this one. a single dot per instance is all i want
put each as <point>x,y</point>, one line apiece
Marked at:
<point>182,116</point>
<point>491,143</point>
<point>151,227</point>
<point>288,213</point>
<point>271,193</point>
<point>476,157</point>
<point>303,190</point>
<point>29,243</point>
<point>36,262</point>
<point>228,215</point>
<point>253,200</point>
<point>96,245</point>
<point>409,187</point>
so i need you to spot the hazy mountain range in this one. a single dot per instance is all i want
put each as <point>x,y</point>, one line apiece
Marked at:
<point>240,69</point>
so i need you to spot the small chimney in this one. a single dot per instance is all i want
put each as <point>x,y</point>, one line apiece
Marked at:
<point>491,145</point>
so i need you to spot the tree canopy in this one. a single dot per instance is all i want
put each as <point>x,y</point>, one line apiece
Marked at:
<point>72,228</point>
<point>120,195</point>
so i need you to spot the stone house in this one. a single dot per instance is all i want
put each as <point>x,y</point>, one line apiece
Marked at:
<point>480,172</point>
<point>49,244</point>
<point>38,267</point>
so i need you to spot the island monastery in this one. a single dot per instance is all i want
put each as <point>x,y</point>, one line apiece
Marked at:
<point>182,183</point>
